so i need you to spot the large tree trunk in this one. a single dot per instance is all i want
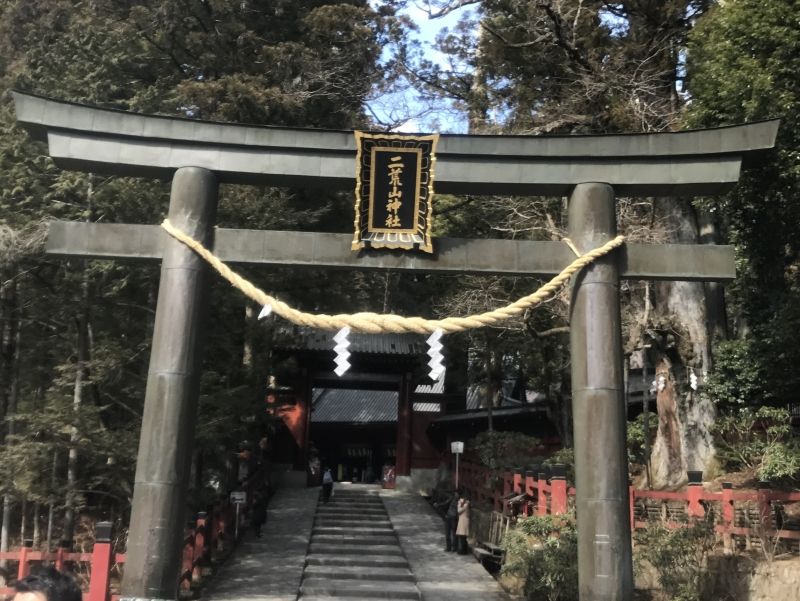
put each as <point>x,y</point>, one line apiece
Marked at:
<point>682,346</point>
<point>10,338</point>
<point>81,381</point>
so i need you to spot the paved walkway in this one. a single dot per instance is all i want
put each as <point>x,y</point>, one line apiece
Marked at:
<point>367,543</point>
<point>440,576</point>
<point>270,568</point>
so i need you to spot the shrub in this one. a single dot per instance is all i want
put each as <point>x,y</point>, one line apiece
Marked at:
<point>501,450</point>
<point>679,556</point>
<point>544,551</point>
<point>758,440</point>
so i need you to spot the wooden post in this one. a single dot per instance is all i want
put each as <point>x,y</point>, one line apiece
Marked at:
<point>403,465</point>
<point>558,500</point>
<point>200,546</point>
<point>764,509</point>
<point>728,516</point>
<point>694,509</point>
<point>102,560</point>
<point>187,557</point>
<point>24,568</point>
<point>530,490</point>
<point>541,495</point>
<point>632,505</point>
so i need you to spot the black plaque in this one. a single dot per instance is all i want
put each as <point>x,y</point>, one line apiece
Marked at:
<point>394,190</point>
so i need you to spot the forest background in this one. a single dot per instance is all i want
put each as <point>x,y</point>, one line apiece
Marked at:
<point>75,335</point>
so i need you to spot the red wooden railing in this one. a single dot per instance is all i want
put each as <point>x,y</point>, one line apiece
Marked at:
<point>206,539</point>
<point>749,514</point>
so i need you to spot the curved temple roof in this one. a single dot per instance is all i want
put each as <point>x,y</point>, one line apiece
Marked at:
<point>116,142</point>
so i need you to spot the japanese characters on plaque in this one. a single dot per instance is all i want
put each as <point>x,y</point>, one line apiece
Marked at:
<point>394,191</point>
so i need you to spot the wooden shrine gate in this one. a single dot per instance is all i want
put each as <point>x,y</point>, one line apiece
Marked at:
<point>198,156</point>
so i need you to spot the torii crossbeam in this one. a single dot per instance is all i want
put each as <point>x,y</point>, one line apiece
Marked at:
<point>200,155</point>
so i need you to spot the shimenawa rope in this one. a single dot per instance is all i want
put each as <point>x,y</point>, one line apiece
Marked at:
<point>375,323</point>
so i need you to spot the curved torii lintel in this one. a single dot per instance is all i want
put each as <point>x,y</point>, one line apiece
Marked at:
<point>116,142</point>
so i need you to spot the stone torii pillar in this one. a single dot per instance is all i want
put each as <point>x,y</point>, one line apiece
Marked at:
<point>170,405</point>
<point>589,169</point>
<point>599,416</point>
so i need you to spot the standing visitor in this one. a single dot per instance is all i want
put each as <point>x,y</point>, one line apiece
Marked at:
<point>327,485</point>
<point>462,530</point>
<point>450,505</point>
<point>258,514</point>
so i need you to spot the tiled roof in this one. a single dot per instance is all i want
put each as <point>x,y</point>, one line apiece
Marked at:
<point>300,338</point>
<point>340,405</point>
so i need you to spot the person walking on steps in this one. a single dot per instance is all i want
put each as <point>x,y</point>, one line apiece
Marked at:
<point>327,485</point>
<point>462,529</point>
<point>450,505</point>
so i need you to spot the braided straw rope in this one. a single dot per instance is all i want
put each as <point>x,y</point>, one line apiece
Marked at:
<point>375,323</point>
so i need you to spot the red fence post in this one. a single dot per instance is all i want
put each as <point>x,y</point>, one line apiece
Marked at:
<point>24,569</point>
<point>632,505</point>
<point>558,487</point>
<point>102,559</point>
<point>728,516</point>
<point>517,488</point>
<point>764,508</point>
<point>530,488</point>
<point>694,509</point>
<point>200,547</point>
<point>541,498</point>
<point>188,559</point>
<point>63,548</point>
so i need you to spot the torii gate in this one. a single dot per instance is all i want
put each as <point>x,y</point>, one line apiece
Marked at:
<point>198,155</point>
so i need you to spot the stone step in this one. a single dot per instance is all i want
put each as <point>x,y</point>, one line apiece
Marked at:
<point>392,574</point>
<point>353,539</point>
<point>349,549</point>
<point>348,514</point>
<point>359,588</point>
<point>352,503</point>
<point>359,530</point>
<point>375,523</point>
<point>328,598</point>
<point>342,509</point>
<point>361,560</point>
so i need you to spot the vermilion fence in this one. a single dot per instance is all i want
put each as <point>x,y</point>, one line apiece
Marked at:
<point>207,538</point>
<point>739,516</point>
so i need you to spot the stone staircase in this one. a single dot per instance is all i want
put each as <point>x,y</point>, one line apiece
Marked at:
<point>354,553</point>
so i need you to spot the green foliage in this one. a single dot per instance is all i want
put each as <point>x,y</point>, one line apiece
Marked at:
<point>759,440</point>
<point>638,433</point>
<point>504,450</point>
<point>565,457</point>
<point>305,63</point>
<point>679,556</point>
<point>544,551</point>
<point>743,59</point>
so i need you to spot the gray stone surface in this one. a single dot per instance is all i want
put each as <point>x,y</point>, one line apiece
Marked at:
<point>363,562</point>
<point>270,568</point>
<point>453,255</point>
<point>413,567</point>
<point>440,576</point>
<point>106,141</point>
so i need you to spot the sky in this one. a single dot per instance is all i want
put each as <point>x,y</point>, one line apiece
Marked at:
<point>388,107</point>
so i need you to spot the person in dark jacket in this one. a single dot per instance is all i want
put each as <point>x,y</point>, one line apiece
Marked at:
<point>258,513</point>
<point>450,506</point>
<point>327,485</point>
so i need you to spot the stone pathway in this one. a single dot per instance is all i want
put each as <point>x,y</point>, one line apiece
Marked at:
<point>270,568</point>
<point>365,544</point>
<point>440,576</point>
<point>354,551</point>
